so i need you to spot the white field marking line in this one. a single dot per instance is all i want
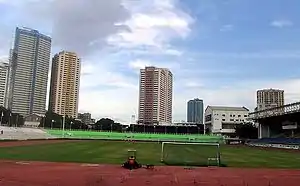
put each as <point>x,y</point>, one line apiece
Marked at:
<point>22,163</point>
<point>90,165</point>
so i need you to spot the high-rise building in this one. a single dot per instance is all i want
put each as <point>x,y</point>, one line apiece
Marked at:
<point>64,85</point>
<point>28,72</point>
<point>155,96</point>
<point>195,111</point>
<point>269,98</point>
<point>3,83</point>
<point>85,118</point>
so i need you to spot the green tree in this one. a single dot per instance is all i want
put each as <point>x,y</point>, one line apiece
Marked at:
<point>107,124</point>
<point>246,131</point>
<point>53,120</point>
<point>10,119</point>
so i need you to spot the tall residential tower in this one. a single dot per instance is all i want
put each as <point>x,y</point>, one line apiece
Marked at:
<point>28,72</point>
<point>64,85</point>
<point>156,92</point>
<point>3,83</point>
<point>268,98</point>
<point>195,111</point>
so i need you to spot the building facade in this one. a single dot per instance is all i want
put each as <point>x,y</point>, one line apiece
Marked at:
<point>64,85</point>
<point>195,111</point>
<point>3,83</point>
<point>269,98</point>
<point>222,120</point>
<point>155,96</point>
<point>28,72</point>
<point>85,118</point>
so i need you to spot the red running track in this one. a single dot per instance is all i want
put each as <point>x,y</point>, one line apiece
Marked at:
<point>68,174</point>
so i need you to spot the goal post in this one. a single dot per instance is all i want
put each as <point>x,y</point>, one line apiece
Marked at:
<point>190,154</point>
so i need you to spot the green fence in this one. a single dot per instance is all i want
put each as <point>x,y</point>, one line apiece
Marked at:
<point>136,136</point>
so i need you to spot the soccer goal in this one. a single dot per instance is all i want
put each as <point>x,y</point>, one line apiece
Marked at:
<point>190,154</point>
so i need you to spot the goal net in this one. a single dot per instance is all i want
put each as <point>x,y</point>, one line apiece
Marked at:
<point>190,154</point>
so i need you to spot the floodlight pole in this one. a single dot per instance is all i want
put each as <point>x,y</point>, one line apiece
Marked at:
<point>17,120</point>
<point>52,121</point>
<point>63,125</point>
<point>1,118</point>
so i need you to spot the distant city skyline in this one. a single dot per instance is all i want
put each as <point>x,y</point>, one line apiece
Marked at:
<point>221,51</point>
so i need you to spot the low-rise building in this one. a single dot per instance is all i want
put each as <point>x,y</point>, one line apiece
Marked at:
<point>33,120</point>
<point>223,120</point>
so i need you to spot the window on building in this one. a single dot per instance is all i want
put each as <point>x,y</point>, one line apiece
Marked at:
<point>223,115</point>
<point>223,119</point>
<point>228,126</point>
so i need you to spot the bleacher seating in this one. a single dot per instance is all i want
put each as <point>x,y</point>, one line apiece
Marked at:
<point>12,133</point>
<point>167,129</point>
<point>285,141</point>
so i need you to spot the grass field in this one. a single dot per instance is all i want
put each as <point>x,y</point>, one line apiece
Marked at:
<point>112,152</point>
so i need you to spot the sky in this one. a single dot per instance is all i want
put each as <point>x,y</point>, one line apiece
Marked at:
<point>221,51</point>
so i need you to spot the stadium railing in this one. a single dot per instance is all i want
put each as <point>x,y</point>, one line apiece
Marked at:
<point>135,136</point>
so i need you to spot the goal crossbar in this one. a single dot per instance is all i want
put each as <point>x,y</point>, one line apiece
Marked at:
<point>217,145</point>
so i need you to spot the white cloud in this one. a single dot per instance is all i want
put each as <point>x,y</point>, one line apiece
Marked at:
<point>152,23</point>
<point>281,23</point>
<point>226,28</point>
<point>173,52</point>
<point>109,82</point>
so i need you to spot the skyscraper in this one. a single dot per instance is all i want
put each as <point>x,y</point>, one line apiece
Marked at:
<point>195,111</point>
<point>3,82</point>
<point>156,91</point>
<point>268,98</point>
<point>64,85</point>
<point>28,72</point>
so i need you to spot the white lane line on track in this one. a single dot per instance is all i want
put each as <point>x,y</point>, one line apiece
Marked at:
<point>22,163</point>
<point>90,165</point>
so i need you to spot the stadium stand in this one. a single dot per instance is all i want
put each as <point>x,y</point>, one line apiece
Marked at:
<point>12,133</point>
<point>171,129</point>
<point>285,141</point>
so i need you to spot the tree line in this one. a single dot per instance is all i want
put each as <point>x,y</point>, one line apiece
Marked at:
<point>10,119</point>
<point>55,121</point>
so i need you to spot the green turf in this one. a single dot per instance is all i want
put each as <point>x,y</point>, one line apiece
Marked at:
<point>116,152</point>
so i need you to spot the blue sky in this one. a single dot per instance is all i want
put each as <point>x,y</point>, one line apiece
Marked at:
<point>219,50</point>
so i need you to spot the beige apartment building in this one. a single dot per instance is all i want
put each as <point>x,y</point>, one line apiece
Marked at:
<point>64,85</point>
<point>155,96</point>
<point>269,98</point>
